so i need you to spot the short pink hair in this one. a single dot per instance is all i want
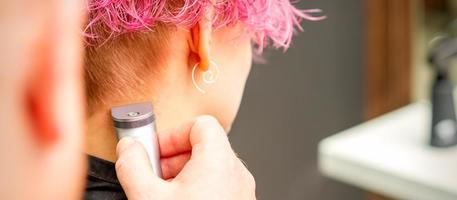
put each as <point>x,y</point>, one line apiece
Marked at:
<point>126,37</point>
<point>266,20</point>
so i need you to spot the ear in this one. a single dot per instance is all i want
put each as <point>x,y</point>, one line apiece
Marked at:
<point>40,95</point>
<point>200,40</point>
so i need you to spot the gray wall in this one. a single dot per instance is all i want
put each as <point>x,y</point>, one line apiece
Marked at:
<point>298,98</point>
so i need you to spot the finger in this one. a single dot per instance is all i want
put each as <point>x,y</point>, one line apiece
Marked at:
<point>208,138</point>
<point>202,131</point>
<point>171,166</point>
<point>211,151</point>
<point>133,169</point>
<point>175,141</point>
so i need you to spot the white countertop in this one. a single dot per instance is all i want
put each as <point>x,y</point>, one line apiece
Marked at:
<point>390,155</point>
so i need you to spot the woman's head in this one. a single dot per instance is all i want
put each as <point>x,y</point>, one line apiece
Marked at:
<point>146,50</point>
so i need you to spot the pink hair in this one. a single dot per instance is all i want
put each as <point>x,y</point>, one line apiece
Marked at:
<point>266,20</point>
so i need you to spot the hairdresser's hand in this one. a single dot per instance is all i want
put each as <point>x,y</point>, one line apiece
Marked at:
<point>196,159</point>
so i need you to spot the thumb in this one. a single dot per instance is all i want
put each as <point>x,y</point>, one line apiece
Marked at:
<point>134,170</point>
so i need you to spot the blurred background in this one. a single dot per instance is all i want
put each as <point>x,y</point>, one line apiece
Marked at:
<point>367,58</point>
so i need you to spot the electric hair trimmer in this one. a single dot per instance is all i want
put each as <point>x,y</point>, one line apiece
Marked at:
<point>137,121</point>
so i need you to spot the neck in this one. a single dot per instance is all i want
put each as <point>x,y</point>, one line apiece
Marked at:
<point>102,140</point>
<point>173,106</point>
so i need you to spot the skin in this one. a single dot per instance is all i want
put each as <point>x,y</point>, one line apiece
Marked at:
<point>41,140</point>
<point>170,88</point>
<point>212,172</point>
<point>41,101</point>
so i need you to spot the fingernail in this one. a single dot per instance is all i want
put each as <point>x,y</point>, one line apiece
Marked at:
<point>124,143</point>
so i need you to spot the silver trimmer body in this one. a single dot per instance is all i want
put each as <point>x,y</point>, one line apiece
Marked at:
<point>137,121</point>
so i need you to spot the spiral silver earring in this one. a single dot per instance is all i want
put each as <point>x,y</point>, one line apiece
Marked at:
<point>208,77</point>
